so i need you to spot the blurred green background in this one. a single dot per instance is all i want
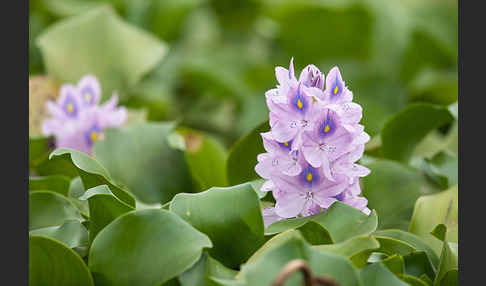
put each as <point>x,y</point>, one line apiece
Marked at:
<point>207,63</point>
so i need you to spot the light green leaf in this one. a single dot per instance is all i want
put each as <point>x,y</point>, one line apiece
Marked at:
<point>53,263</point>
<point>48,208</point>
<point>203,272</point>
<point>72,233</point>
<point>104,46</point>
<point>378,274</point>
<point>92,173</point>
<point>406,129</point>
<point>123,253</point>
<point>448,267</point>
<point>231,217</point>
<point>56,183</point>
<point>338,223</point>
<point>144,147</point>
<point>431,210</point>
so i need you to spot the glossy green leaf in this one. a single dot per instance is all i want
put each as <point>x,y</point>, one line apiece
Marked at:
<point>56,183</point>
<point>273,242</point>
<point>358,249</point>
<point>431,210</point>
<point>378,274</point>
<point>104,45</point>
<point>53,263</point>
<point>401,242</point>
<point>338,223</point>
<point>407,128</point>
<point>104,207</point>
<point>72,233</point>
<point>242,157</point>
<point>203,272</point>
<point>263,270</point>
<point>92,173</point>
<point>48,208</point>
<point>206,158</point>
<point>231,217</point>
<point>145,147</point>
<point>145,247</point>
<point>392,189</point>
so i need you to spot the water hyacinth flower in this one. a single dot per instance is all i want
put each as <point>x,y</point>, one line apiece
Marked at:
<point>313,145</point>
<point>77,120</point>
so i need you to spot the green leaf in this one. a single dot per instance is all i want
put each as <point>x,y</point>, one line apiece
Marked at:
<point>378,274</point>
<point>358,249</point>
<point>53,263</point>
<point>231,217</point>
<point>448,267</point>
<point>104,207</point>
<point>442,168</point>
<point>435,86</point>
<point>72,233</point>
<point>48,208</point>
<point>206,158</point>
<point>338,223</point>
<point>92,173</point>
<point>204,271</point>
<point>145,147</point>
<point>431,210</point>
<point>417,264</point>
<point>145,247</point>
<point>406,129</point>
<point>392,189</point>
<point>242,157</point>
<point>273,242</point>
<point>265,268</point>
<point>395,264</point>
<point>56,183</point>
<point>104,46</point>
<point>401,242</point>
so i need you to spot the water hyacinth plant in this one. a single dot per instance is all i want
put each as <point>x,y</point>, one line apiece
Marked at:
<point>77,120</point>
<point>313,145</point>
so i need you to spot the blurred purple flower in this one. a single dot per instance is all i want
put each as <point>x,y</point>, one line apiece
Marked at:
<point>77,121</point>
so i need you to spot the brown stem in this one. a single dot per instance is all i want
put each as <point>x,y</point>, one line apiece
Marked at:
<point>301,265</point>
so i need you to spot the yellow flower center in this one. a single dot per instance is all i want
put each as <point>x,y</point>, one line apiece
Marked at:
<point>93,136</point>
<point>87,96</point>
<point>286,144</point>
<point>309,177</point>
<point>336,89</point>
<point>327,128</point>
<point>70,108</point>
<point>299,104</point>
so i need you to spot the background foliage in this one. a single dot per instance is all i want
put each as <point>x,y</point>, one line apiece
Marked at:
<point>193,74</point>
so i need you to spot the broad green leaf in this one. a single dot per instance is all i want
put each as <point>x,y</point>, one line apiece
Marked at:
<point>406,129</point>
<point>231,217</point>
<point>53,263</point>
<point>414,281</point>
<point>358,249</point>
<point>242,157</point>
<point>104,207</point>
<point>204,271</point>
<point>56,183</point>
<point>145,147</point>
<point>399,240</point>
<point>392,189</point>
<point>417,264</point>
<point>378,274</point>
<point>104,46</point>
<point>338,223</point>
<point>395,264</point>
<point>263,270</point>
<point>206,158</point>
<point>257,185</point>
<point>274,242</point>
<point>431,210</point>
<point>92,173</point>
<point>145,247</point>
<point>48,208</point>
<point>435,86</point>
<point>443,169</point>
<point>72,233</point>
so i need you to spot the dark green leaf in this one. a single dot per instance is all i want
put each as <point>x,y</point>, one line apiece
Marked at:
<point>231,217</point>
<point>56,183</point>
<point>407,128</point>
<point>145,147</point>
<point>53,263</point>
<point>47,208</point>
<point>104,207</point>
<point>417,264</point>
<point>204,271</point>
<point>145,247</point>
<point>242,157</point>
<point>378,274</point>
<point>448,267</point>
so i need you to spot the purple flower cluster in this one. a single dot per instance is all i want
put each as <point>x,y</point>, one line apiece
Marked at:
<point>77,121</point>
<point>313,145</point>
